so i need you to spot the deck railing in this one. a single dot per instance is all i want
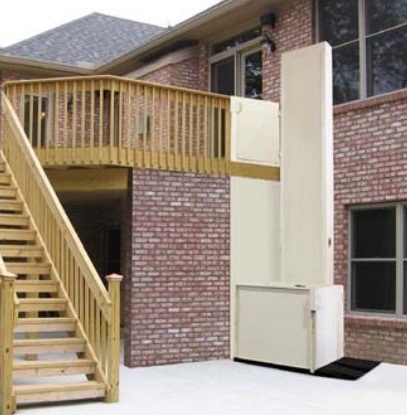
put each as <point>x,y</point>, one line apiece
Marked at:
<point>119,121</point>
<point>89,299</point>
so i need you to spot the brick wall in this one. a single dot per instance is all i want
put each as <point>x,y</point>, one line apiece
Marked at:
<point>183,74</point>
<point>294,29</point>
<point>177,296</point>
<point>370,167</point>
<point>376,339</point>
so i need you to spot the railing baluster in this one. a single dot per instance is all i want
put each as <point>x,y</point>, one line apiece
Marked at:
<point>153,162</point>
<point>101,116</point>
<point>31,115</point>
<point>168,147</point>
<point>65,120</point>
<point>92,122</point>
<point>83,122</point>
<point>183,131</point>
<point>73,115</point>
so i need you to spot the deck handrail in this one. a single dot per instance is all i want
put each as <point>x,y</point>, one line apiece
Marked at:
<point>112,120</point>
<point>87,294</point>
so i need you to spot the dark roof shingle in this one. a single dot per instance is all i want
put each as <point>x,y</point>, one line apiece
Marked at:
<point>92,40</point>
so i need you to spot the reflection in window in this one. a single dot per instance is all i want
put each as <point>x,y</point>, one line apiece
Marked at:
<point>387,61</point>
<point>223,76</point>
<point>382,38</point>
<point>253,75</point>
<point>384,14</point>
<point>338,21</point>
<point>346,73</point>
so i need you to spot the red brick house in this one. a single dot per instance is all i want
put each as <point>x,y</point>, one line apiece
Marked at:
<point>173,224</point>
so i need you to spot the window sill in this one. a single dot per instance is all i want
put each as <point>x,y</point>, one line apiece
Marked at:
<point>370,102</point>
<point>365,321</point>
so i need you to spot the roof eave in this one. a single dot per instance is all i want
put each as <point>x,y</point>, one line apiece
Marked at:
<point>179,30</point>
<point>48,68</point>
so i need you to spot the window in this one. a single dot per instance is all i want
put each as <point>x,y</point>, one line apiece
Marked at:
<point>236,66</point>
<point>369,41</point>
<point>36,119</point>
<point>378,266</point>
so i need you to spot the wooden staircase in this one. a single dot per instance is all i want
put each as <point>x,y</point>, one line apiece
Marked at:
<point>48,341</point>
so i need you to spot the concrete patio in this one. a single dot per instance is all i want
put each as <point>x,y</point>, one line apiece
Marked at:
<point>226,388</point>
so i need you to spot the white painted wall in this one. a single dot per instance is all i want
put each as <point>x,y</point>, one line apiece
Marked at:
<point>307,166</point>
<point>255,131</point>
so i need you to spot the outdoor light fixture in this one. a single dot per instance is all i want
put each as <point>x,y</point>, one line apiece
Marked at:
<point>268,41</point>
<point>269,21</point>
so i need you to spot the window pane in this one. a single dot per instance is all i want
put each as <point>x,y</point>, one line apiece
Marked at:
<point>346,73</point>
<point>374,233</point>
<point>384,14</point>
<point>387,61</point>
<point>338,21</point>
<point>374,286</point>
<point>253,75</point>
<point>223,76</point>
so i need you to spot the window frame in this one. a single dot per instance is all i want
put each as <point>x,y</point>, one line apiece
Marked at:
<point>237,53</point>
<point>362,39</point>
<point>399,260</point>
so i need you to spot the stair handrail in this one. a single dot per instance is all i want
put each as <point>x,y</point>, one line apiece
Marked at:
<point>68,231</point>
<point>8,319</point>
<point>97,309</point>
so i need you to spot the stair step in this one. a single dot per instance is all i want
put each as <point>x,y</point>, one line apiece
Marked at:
<point>25,369</point>
<point>14,220</point>
<point>45,346</point>
<point>41,304</point>
<point>18,251</point>
<point>45,325</point>
<point>8,192</point>
<point>2,166</point>
<point>57,392</point>
<point>5,178</point>
<point>11,206</point>
<point>17,235</point>
<point>36,286</point>
<point>28,268</point>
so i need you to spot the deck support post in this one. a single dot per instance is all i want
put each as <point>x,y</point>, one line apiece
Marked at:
<point>7,311</point>
<point>113,362</point>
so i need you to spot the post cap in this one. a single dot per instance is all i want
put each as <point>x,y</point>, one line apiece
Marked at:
<point>114,278</point>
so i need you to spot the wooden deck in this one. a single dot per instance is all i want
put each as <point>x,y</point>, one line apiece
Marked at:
<point>107,120</point>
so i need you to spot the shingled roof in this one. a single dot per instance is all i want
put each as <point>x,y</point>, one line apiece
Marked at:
<point>90,41</point>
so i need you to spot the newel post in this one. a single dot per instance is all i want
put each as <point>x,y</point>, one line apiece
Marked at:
<point>7,311</point>
<point>114,281</point>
